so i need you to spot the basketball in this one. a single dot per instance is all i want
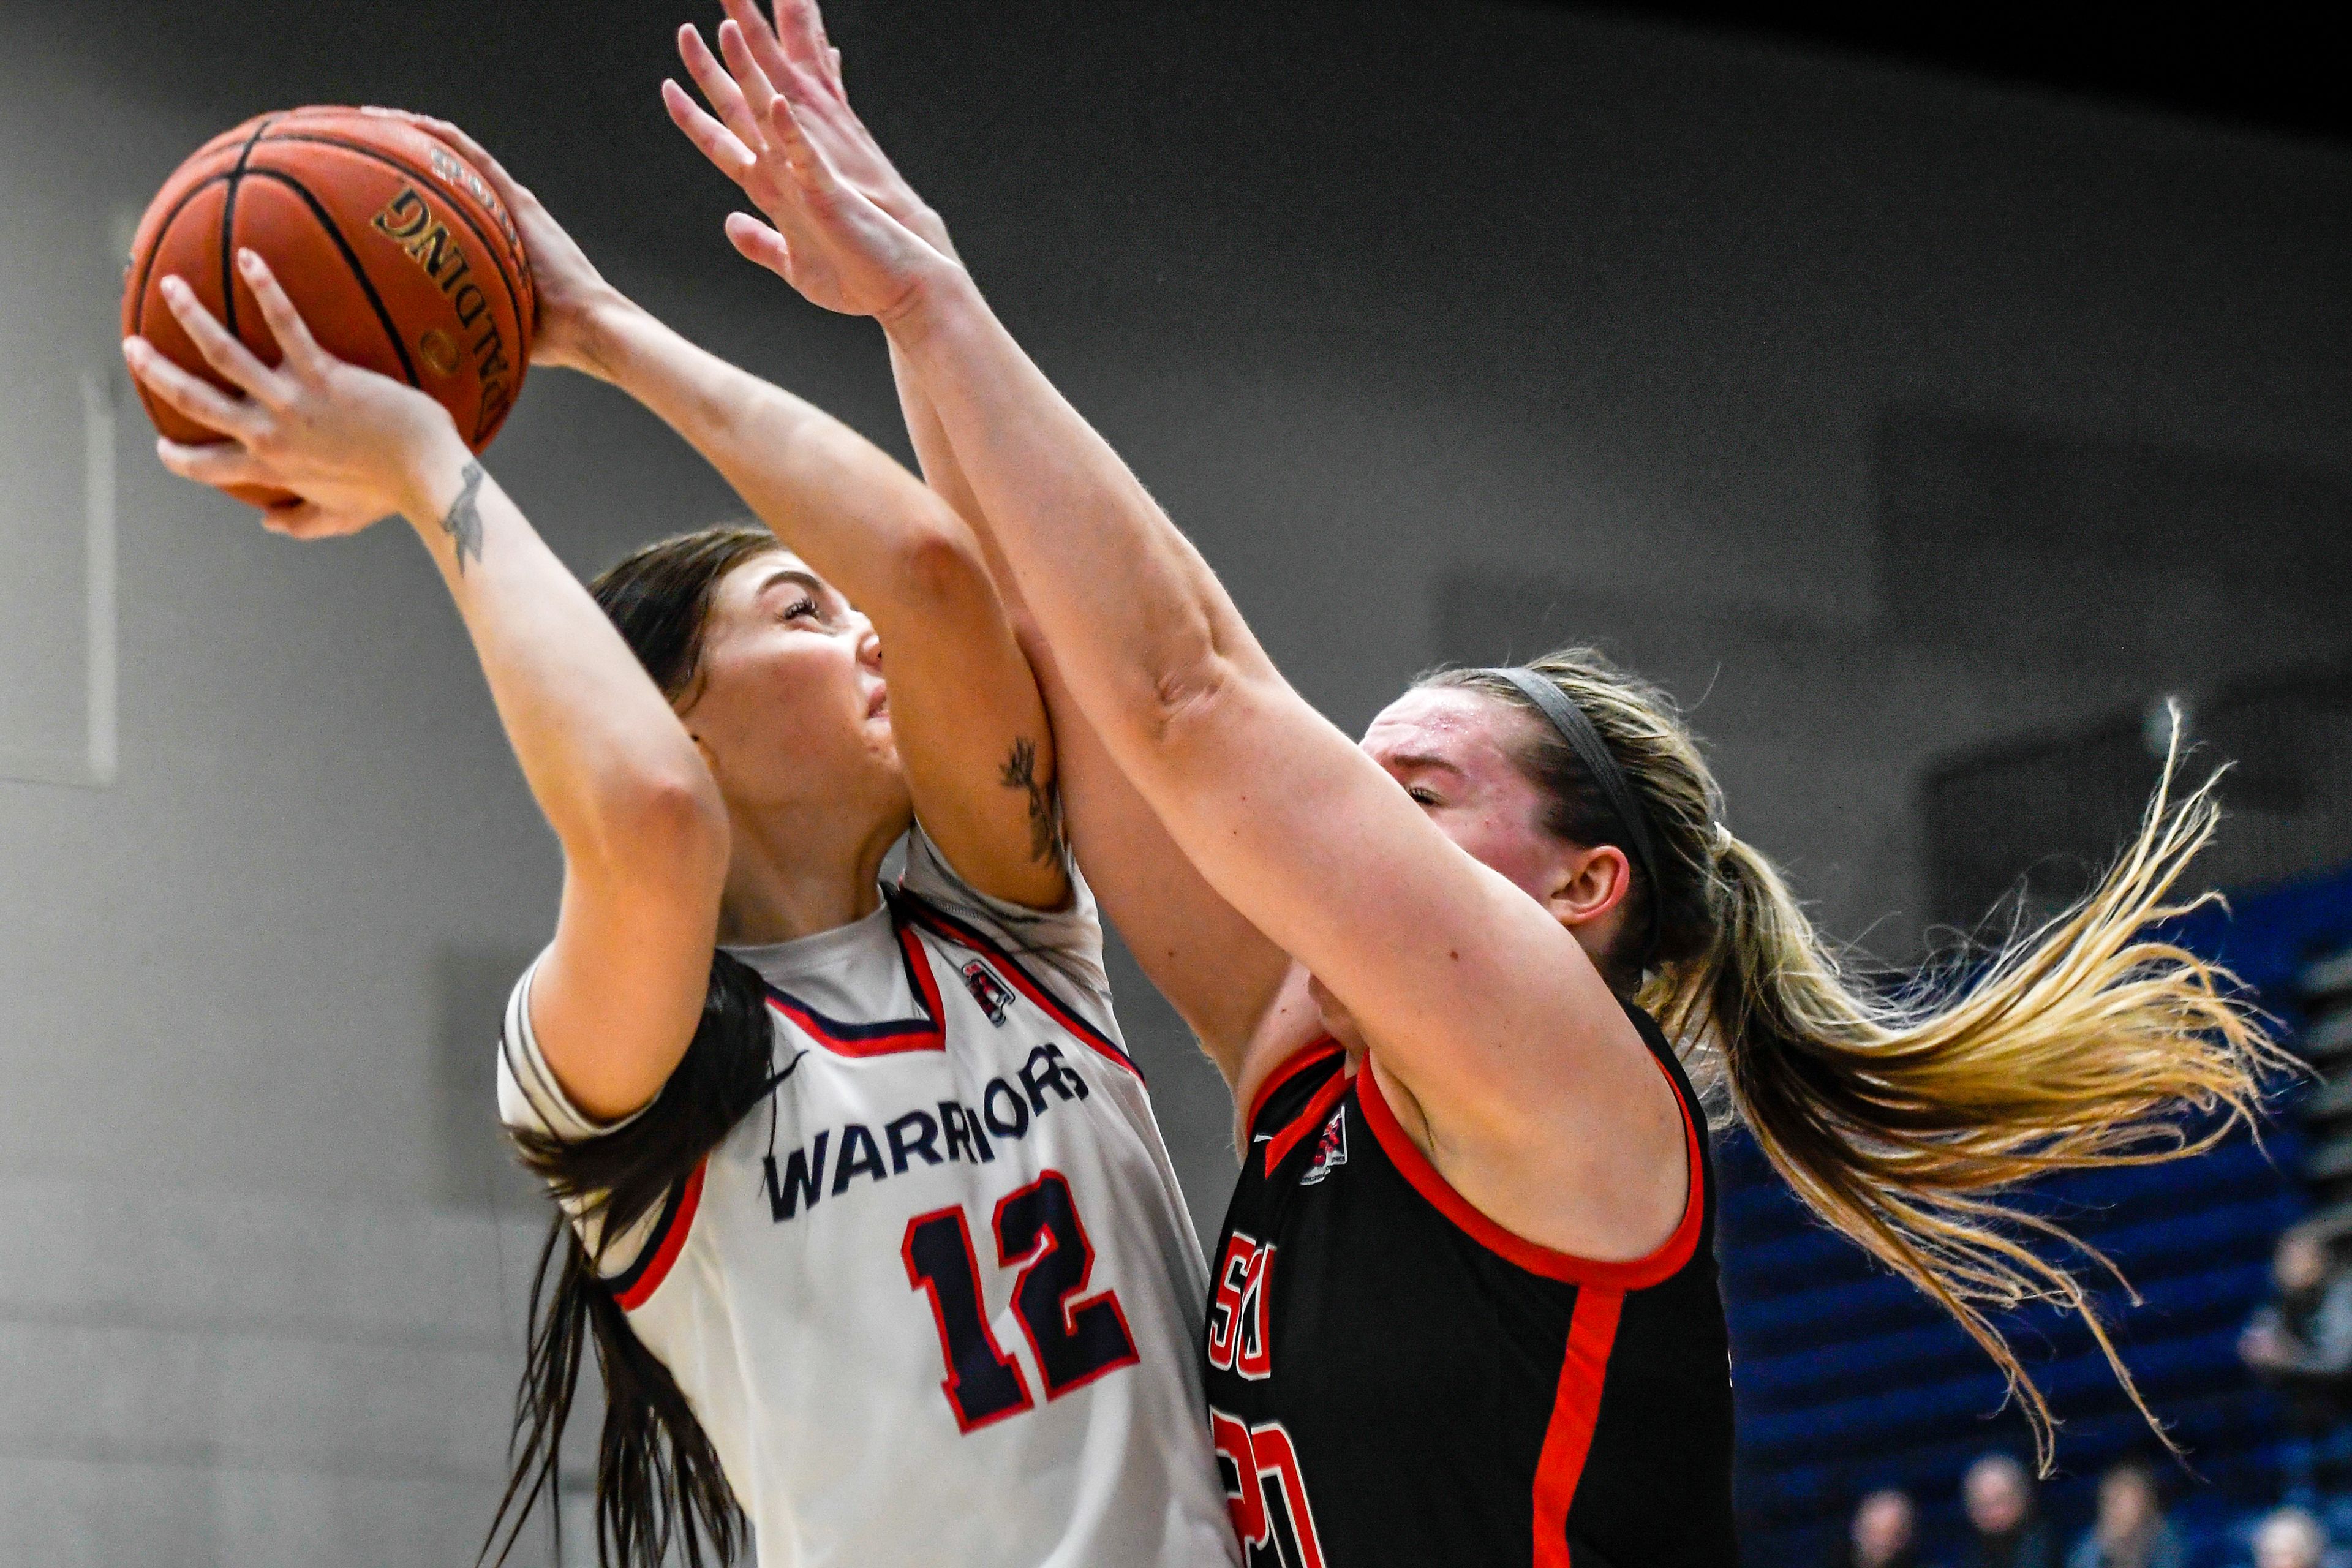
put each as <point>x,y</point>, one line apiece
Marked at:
<point>394,248</point>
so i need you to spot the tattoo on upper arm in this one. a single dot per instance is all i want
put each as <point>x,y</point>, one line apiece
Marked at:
<point>463,521</point>
<point>1045,801</point>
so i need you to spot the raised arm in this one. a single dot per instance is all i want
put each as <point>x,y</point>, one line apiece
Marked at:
<point>645,835</point>
<point>1435,957</point>
<point>970,723</point>
<point>1224,976</point>
<point>1481,1012</point>
<point>1220,972</point>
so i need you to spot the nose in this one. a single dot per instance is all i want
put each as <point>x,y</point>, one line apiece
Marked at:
<point>869,646</point>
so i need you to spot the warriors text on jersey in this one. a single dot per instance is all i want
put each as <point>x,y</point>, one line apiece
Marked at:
<point>936,1299</point>
<point>1395,1379</point>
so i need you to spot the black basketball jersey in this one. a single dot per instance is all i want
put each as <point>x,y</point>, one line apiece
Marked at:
<point>1395,1379</point>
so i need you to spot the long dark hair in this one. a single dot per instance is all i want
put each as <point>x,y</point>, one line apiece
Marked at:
<point>658,1480</point>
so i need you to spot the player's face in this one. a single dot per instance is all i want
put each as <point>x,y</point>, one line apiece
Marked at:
<point>789,706</point>
<point>1452,750</point>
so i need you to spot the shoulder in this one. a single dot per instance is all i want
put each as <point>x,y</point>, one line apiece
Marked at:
<point>529,1097</point>
<point>930,876</point>
<point>1065,944</point>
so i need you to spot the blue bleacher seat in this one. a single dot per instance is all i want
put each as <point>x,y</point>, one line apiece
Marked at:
<point>1849,1379</point>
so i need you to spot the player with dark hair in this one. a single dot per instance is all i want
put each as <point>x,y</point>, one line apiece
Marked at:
<point>1465,1305</point>
<point>868,1224</point>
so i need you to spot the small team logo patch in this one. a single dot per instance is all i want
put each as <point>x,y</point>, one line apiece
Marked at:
<point>1330,1149</point>
<point>992,994</point>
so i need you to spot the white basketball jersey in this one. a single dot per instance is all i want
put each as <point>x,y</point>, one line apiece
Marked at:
<point>936,1300</point>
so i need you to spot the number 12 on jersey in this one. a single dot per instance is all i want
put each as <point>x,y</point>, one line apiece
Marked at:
<point>1073,1342</point>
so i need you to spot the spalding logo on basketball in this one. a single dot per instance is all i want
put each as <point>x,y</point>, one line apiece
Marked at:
<point>395,249</point>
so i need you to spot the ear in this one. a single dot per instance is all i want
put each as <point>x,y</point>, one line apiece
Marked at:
<point>1589,886</point>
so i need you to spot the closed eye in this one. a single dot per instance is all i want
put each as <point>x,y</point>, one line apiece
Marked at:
<point>803,605</point>
<point>1425,796</point>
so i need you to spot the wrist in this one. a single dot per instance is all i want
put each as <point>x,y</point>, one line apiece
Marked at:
<point>432,475</point>
<point>933,230</point>
<point>940,295</point>
<point>602,320</point>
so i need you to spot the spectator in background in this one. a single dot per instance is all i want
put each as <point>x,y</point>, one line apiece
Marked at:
<point>2301,1344</point>
<point>2131,1531</point>
<point>2290,1539</point>
<point>2009,1531</point>
<point>1883,1535</point>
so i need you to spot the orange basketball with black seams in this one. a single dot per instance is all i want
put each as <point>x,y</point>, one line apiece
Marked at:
<point>391,245</point>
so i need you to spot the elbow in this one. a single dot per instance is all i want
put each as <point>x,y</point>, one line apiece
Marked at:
<point>669,823</point>
<point>1188,704</point>
<point>939,565</point>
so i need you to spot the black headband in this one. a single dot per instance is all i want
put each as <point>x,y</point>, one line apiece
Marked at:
<point>1598,761</point>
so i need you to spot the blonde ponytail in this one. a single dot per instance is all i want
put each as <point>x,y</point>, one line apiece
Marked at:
<point>2090,1042</point>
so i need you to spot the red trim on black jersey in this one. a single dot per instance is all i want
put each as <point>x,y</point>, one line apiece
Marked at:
<point>1575,1412</point>
<point>1310,1054</point>
<point>1309,1119</point>
<point>1634,1274</point>
<point>887,1038</point>
<point>946,926</point>
<point>636,1286</point>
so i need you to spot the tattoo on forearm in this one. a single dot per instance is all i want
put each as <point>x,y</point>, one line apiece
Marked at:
<point>463,521</point>
<point>1045,803</point>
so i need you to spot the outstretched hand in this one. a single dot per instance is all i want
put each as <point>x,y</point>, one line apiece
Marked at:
<point>353,445</point>
<point>847,231</point>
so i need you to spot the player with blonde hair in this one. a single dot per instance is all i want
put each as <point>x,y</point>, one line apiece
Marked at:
<point>1465,1305</point>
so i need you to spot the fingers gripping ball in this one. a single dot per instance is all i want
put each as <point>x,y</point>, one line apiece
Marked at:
<point>391,246</point>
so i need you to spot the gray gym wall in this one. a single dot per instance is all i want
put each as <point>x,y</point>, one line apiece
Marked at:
<point>1823,391</point>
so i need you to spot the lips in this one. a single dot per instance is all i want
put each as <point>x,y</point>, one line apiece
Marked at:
<point>880,703</point>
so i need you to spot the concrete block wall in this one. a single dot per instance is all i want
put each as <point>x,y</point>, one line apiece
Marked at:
<point>201,1377</point>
